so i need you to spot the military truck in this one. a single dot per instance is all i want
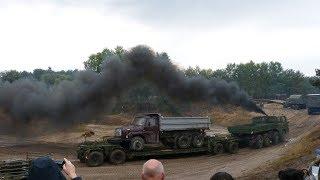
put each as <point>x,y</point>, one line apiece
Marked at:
<point>313,104</point>
<point>296,101</point>
<point>97,152</point>
<point>154,129</point>
<point>262,131</point>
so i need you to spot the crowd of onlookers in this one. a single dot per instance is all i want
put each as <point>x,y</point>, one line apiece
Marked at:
<point>46,168</point>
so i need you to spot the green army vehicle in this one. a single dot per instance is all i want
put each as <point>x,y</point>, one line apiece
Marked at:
<point>263,131</point>
<point>296,101</point>
<point>96,153</point>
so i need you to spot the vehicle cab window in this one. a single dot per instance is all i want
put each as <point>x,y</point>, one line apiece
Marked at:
<point>151,122</point>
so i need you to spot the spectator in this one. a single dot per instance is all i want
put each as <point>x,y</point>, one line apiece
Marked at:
<point>221,176</point>
<point>291,174</point>
<point>46,168</point>
<point>152,170</point>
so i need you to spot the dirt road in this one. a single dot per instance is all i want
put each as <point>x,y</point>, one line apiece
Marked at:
<point>194,167</point>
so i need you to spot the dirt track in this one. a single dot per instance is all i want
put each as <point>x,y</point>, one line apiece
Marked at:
<point>194,167</point>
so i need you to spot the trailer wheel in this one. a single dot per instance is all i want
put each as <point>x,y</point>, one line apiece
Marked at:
<point>233,147</point>
<point>266,140</point>
<point>197,140</point>
<point>183,141</point>
<point>257,142</point>
<point>218,148</point>
<point>95,158</point>
<point>275,138</point>
<point>117,156</point>
<point>137,143</point>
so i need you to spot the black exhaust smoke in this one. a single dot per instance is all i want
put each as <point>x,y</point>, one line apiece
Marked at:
<point>90,93</point>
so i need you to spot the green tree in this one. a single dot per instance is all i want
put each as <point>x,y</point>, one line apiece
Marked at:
<point>95,61</point>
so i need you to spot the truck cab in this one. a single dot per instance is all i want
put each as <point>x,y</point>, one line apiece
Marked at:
<point>144,129</point>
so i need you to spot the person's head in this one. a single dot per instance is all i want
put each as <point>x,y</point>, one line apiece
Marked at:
<point>221,176</point>
<point>291,174</point>
<point>152,170</point>
<point>45,168</point>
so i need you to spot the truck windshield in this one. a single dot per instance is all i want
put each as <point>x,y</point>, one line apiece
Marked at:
<point>140,121</point>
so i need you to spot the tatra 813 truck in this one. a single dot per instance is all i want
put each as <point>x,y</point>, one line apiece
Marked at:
<point>154,129</point>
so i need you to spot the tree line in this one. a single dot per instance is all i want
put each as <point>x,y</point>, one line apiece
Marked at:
<point>259,80</point>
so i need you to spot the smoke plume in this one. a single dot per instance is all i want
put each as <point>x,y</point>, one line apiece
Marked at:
<point>90,93</point>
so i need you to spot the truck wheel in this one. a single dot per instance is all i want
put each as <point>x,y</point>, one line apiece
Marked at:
<point>218,148</point>
<point>117,156</point>
<point>137,143</point>
<point>275,138</point>
<point>183,141</point>
<point>257,142</point>
<point>197,140</point>
<point>266,140</point>
<point>95,158</point>
<point>233,147</point>
<point>281,136</point>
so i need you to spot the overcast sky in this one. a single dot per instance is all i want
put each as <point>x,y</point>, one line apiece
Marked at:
<point>63,33</point>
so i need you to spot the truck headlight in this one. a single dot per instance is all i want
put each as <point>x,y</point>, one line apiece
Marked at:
<point>117,132</point>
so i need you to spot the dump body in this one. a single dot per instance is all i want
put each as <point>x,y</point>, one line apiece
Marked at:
<point>184,123</point>
<point>313,103</point>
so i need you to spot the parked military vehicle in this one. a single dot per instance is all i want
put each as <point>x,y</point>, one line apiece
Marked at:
<point>296,101</point>
<point>96,153</point>
<point>154,129</point>
<point>313,103</point>
<point>262,131</point>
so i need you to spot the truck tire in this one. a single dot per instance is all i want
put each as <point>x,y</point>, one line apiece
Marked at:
<point>95,158</point>
<point>257,142</point>
<point>281,136</point>
<point>117,156</point>
<point>233,147</point>
<point>183,141</point>
<point>197,140</point>
<point>137,144</point>
<point>275,138</point>
<point>266,140</point>
<point>218,148</point>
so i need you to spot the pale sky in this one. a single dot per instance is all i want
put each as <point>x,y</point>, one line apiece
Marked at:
<point>209,33</point>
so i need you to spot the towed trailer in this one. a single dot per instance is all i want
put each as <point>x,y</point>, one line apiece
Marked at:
<point>96,153</point>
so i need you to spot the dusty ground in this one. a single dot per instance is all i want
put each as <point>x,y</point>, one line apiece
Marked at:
<point>240,165</point>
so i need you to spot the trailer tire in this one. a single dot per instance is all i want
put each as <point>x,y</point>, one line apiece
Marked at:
<point>197,140</point>
<point>117,156</point>
<point>257,142</point>
<point>275,138</point>
<point>218,148</point>
<point>137,143</point>
<point>266,140</point>
<point>183,141</point>
<point>95,158</point>
<point>233,147</point>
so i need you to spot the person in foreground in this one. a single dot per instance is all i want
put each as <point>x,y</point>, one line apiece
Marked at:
<point>221,176</point>
<point>46,168</point>
<point>152,170</point>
